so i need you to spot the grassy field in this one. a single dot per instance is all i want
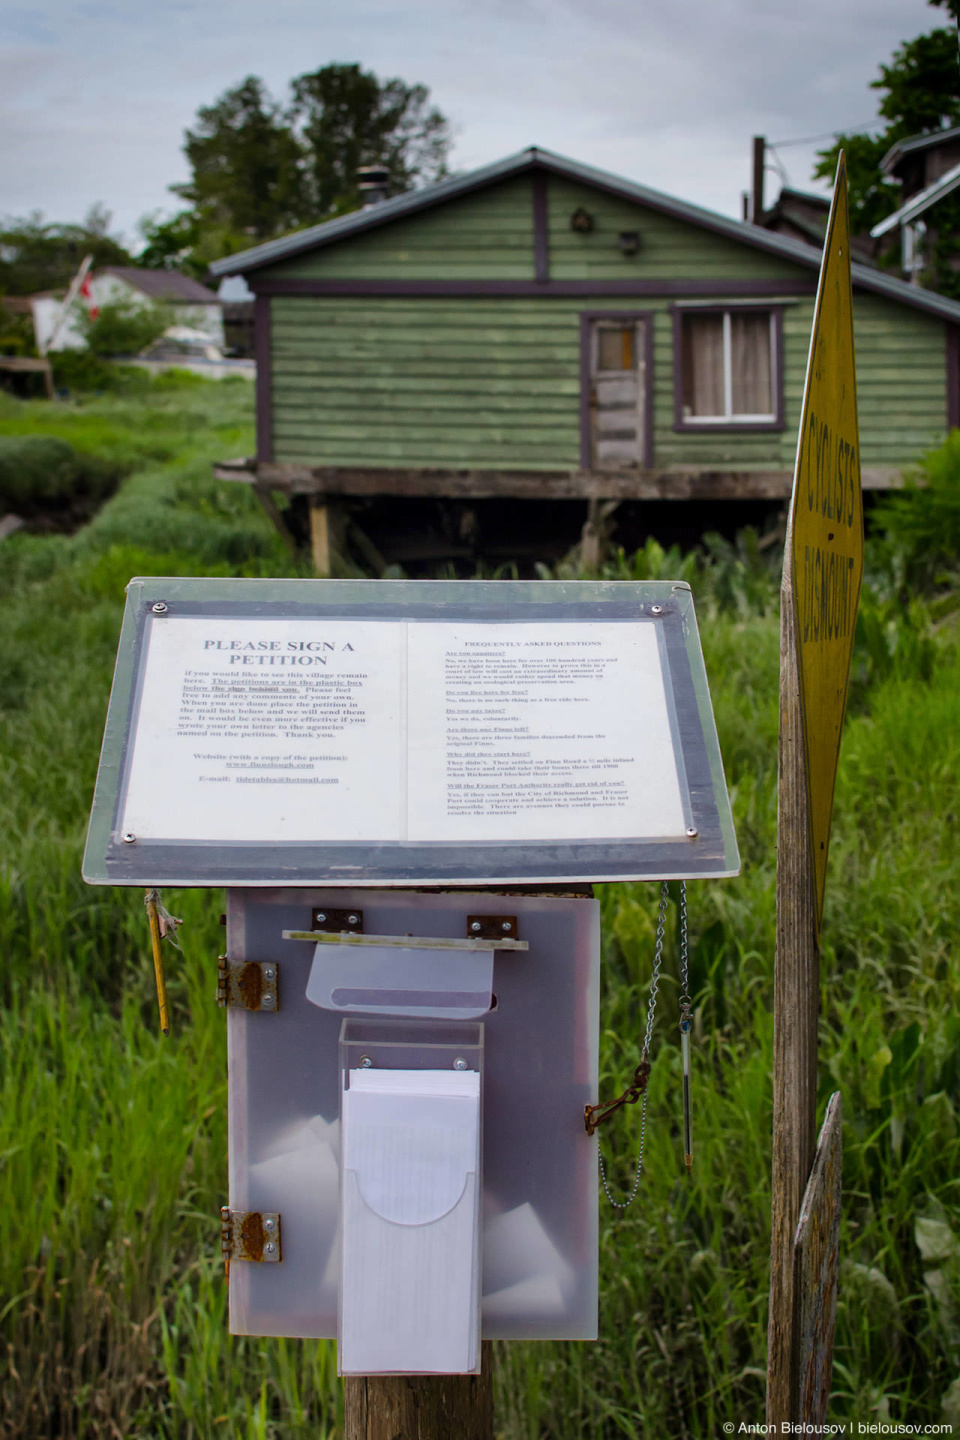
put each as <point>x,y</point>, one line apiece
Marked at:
<point>113,1140</point>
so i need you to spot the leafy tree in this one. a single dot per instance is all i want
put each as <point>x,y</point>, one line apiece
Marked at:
<point>246,164</point>
<point>261,168</point>
<point>345,117</point>
<point>920,90</point>
<point>37,255</point>
<point>187,242</point>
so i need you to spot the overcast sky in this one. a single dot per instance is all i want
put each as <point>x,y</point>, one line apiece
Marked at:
<point>95,94</point>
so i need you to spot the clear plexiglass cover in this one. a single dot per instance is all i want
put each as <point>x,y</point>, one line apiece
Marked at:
<point>378,732</point>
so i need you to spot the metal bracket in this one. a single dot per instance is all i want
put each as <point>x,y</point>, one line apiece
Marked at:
<point>250,1235</point>
<point>248,985</point>
<point>407,942</point>
<point>337,922</point>
<point>492,927</point>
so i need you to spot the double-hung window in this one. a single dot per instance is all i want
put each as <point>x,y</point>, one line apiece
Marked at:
<point>727,367</point>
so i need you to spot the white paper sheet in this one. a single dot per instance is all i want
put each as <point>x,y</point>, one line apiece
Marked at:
<point>409,1294</point>
<point>307,731</point>
<point>537,731</point>
<point>268,729</point>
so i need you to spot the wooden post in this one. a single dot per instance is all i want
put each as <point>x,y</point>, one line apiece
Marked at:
<point>276,516</point>
<point>822,570</point>
<point>420,1407</point>
<point>320,535</point>
<point>796,1005</point>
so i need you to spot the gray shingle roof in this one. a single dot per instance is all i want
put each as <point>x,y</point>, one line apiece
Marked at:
<point>167,285</point>
<point>363,221</point>
<point>912,143</point>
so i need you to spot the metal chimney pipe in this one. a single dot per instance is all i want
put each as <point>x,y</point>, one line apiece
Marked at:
<point>372,182</point>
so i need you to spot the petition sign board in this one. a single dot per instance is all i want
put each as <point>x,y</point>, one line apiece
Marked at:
<point>827,529</point>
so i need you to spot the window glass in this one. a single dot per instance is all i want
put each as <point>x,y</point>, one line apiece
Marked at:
<point>727,365</point>
<point>615,347</point>
<point>750,363</point>
<point>703,365</point>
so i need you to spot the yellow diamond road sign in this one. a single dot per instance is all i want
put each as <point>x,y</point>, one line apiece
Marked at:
<point>826,529</point>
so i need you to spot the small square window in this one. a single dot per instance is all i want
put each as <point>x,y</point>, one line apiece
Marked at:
<point>615,347</point>
<point>727,367</point>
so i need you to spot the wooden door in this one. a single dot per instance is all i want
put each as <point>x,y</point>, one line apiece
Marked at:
<point>617,392</point>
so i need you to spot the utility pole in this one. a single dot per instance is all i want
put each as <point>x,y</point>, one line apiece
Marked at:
<point>759,162</point>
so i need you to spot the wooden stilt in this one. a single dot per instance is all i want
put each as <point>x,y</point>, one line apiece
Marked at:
<point>320,539</point>
<point>276,515</point>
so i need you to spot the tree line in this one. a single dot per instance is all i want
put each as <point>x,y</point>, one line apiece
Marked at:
<point>260,167</point>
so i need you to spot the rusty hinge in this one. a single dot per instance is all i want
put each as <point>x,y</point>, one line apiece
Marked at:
<point>335,922</point>
<point>491,927</point>
<point>248,984</point>
<point>250,1235</point>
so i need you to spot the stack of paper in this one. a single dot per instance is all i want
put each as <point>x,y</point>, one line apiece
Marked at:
<point>409,1292</point>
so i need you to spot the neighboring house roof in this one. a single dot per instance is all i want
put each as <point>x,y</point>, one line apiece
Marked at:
<point>333,231</point>
<point>806,215</point>
<point>913,143</point>
<point>167,285</point>
<point>918,204</point>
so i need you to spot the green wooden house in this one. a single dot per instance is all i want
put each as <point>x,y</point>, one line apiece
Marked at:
<point>542,330</point>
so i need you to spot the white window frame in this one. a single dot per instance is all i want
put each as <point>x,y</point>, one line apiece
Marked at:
<point>729,417</point>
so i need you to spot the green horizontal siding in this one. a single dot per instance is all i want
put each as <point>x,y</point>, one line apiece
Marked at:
<point>426,382</point>
<point>902,413</point>
<point>669,248</point>
<point>495,383</point>
<point>487,235</point>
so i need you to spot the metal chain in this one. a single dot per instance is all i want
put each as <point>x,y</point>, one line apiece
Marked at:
<point>685,1001</point>
<point>645,1055</point>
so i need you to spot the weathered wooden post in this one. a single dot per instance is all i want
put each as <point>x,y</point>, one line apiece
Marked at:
<point>420,1407</point>
<point>823,566</point>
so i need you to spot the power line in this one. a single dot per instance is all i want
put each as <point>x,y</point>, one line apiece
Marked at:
<point>827,135</point>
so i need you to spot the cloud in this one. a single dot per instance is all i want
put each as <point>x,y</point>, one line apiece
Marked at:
<point>95,94</point>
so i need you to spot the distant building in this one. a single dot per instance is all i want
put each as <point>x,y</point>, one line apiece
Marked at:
<point>194,306</point>
<point>928,169</point>
<point>803,216</point>
<point>237,299</point>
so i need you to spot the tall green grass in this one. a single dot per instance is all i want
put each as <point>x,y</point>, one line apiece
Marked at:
<point>113,1140</point>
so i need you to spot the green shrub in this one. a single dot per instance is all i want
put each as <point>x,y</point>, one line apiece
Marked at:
<point>80,370</point>
<point>123,328</point>
<point>39,473</point>
<point>922,521</point>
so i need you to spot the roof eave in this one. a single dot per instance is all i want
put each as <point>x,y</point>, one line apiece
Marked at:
<point>744,233</point>
<point>919,204</point>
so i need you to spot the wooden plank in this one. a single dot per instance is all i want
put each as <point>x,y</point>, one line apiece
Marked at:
<point>539,484</point>
<point>412,405</point>
<point>817,1268</point>
<point>527,484</point>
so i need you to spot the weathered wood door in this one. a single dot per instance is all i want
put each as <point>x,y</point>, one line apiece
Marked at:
<point>617,392</point>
